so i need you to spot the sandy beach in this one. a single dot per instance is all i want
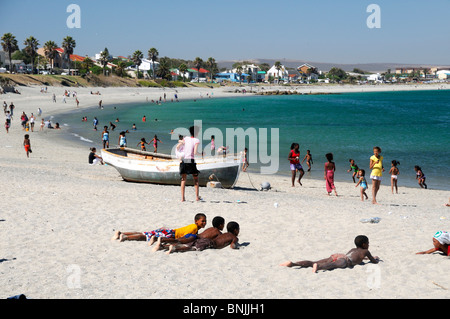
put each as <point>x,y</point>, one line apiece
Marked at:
<point>59,214</point>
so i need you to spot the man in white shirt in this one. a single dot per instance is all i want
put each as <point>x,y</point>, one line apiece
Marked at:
<point>188,165</point>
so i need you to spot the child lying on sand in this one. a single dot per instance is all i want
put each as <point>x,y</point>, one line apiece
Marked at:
<point>209,234</point>
<point>221,241</point>
<point>200,222</point>
<point>354,257</point>
<point>441,241</point>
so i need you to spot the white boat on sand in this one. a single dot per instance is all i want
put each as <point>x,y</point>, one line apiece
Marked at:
<point>148,167</point>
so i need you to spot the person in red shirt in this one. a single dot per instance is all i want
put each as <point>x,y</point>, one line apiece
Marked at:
<point>294,160</point>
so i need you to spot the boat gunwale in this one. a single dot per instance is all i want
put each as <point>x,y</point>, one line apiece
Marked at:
<point>236,158</point>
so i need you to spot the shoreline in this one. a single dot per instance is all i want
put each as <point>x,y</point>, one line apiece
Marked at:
<point>316,174</point>
<point>60,213</point>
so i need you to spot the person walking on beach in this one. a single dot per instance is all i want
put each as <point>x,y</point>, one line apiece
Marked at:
<point>155,141</point>
<point>354,168</point>
<point>394,175</point>
<point>309,160</point>
<point>294,160</point>
<point>363,183</point>
<point>95,123</point>
<point>142,144</point>
<point>213,145</point>
<point>122,139</point>
<point>105,137</point>
<point>329,170</point>
<point>376,165</point>
<point>7,126</point>
<point>31,122</point>
<point>27,144</point>
<point>245,160</point>
<point>420,176</point>
<point>188,165</point>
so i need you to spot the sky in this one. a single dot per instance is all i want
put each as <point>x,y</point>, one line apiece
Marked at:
<point>409,31</point>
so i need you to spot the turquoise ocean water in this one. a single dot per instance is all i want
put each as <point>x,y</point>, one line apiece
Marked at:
<point>410,127</point>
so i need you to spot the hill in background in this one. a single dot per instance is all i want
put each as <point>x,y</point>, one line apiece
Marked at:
<point>325,66</point>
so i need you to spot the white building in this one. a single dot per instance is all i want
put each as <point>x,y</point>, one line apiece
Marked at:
<point>282,74</point>
<point>443,74</point>
<point>145,67</point>
<point>375,78</point>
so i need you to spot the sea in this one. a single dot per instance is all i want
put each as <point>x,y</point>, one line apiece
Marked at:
<point>411,127</point>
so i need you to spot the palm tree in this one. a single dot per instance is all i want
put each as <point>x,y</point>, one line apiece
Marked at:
<point>87,63</point>
<point>153,56</point>
<point>212,65</point>
<point>164,68</point>
<point>50,51</point>
<point>104,57</point>
<point>198,64</point>
<point>239,72</point>
<point>278,66</point>
<point>31,45</point>
<point>68,45</point>
<point>9,44</point>
<point>137,59</point>
<point>183,69</point>
<point>120,68</point>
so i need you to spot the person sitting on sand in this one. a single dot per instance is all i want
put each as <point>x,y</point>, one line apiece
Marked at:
<point>200,242</point>
<point>151,236</point>
<point>228,239</point>
<point>354,257</point>
<point>441,241</point>
<point>94,159</point>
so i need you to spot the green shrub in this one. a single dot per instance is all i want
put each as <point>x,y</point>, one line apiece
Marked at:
<point>148,84</point>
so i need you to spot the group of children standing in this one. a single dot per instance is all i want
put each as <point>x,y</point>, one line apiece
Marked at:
<point>376,165</point>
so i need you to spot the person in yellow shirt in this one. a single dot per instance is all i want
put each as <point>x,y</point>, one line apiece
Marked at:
<point>376,165</point>
<point>177,233</point>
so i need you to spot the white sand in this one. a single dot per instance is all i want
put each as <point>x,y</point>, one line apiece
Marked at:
<point>58,215</point>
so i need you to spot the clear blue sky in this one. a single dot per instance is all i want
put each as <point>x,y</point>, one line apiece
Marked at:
<point>412,31</point>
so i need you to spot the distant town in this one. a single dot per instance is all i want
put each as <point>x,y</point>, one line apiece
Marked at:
<point>61,60</point>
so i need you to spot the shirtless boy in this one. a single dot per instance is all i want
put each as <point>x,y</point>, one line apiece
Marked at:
<point>309,160</point>
<point>221,241</point>
<point>200,242</point>
<point>354,257</point>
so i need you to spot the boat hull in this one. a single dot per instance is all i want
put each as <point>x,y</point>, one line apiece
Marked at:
<point>148,167</point>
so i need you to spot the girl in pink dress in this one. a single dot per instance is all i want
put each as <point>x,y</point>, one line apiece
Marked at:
<point>329,174</point>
